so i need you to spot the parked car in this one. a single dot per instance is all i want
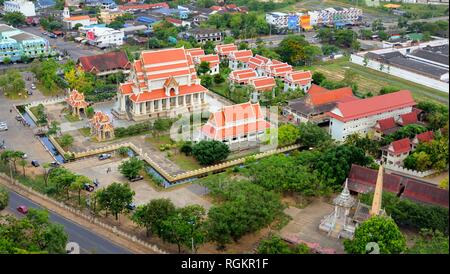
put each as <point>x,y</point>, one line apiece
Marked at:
<point>137,178</point>
<point>54,164</point>
<point>88,187</point>
<point>33,86</point>
<point>96,182</point>
<point>29,92</point>
<point>131,206</point>
<point>51,35</point>
<point>19,118</point>
<point>3,126</point>
<point>24,156</point>
<point>104,156</point>
<point>35,163</point>
<point>22,209</point>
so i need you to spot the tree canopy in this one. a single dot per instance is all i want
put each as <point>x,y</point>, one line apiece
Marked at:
<point>210,152</point>
<point>115,198</point>
<point>380,230</point>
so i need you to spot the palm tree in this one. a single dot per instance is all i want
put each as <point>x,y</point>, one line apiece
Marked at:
<point>23,163</point>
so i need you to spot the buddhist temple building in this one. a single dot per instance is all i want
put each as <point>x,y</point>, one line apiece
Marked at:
<point>161,83</point>
<point>76,102</point>
<point>239,126</point>
<point>101,126</point>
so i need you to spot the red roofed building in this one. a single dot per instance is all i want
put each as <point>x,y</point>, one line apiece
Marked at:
<point>225,49</point>
<point>242,76</point>
<point>212,59</point>
<point>239,59</point>
<point>298,80</point>
<point>359,116</point>
<point>70,22</point>
<point>106,63</point>
<point>396,152</point>
<point>261,84</point>
<point>278,69</point>
<point>133,7</point>
<point>238,126</point>
<point>362,180</point>
<point>315,105</point>
<point>385,126</point>
<point>407,119</point>
<point>174,21</point>
<point>76,102</point>
<point>161,82</point>
<point>259,64</point>
<point>427,136</point>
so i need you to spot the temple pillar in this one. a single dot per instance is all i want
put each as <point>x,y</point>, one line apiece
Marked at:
<point>152,106</point>
<point>168,103</point>
<point>144,108</point>
<point>199,98</point>
<point>176,101</point>
<point>122,100</point>
<point>160,105</point>
<point>184,100</point>
<point>136,108</point>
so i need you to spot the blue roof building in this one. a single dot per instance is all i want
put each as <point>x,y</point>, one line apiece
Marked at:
<point>44,4</point>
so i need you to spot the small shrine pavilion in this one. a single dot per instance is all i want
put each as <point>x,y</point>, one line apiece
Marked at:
<point>76,102</point>
<point>101,126</point>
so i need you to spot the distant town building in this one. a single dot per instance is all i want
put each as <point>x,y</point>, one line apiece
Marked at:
<point>424,63</point>
<point>202,35</point>
<point>106,63</point>
<point>136,7</point>
<point>107,16</point>
<point>25,7</point>
<point>71,21</point>
<point>161,83</point>
<point>103,37</point>
<point>277,19</point>
<point>15,43</point>
<point>359,116</point>
<point>336,16</point>
<point>239,126</point>
<point>45,4</point>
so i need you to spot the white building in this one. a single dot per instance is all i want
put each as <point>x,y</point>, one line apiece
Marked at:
<point>71,21</point>
<point>239,59</point>
<point>277,19</point>
<point>359,116</point>
<point>104,37</point>
<point>298,80</point>
<point>27,8</point>
<point>335,16</point>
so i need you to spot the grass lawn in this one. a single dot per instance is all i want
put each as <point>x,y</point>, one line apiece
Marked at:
<point>48,92</point>
<point>185,162</point>
<point>159,140</point>
<point>72,118</point>
<point>85,131</point>
<point>370,80</point>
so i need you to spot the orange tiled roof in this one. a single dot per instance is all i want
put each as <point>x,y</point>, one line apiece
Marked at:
<point>263,83</point>
<point>331,96</point>
<point>161,94</point>
<point>126,88</point>
<point>400,146</point>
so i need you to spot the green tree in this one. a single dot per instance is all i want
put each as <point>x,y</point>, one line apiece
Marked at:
<point>90,112</point>
<point>43,236</point>
<point>311,135</point>
<point>430,242</point>
<point>335,163</point>
<point>185,227</point>
<point>66,140</point>
<point>46,73</point>
<point>273,245</point>
<point>292,50</point>
<point>14,19</point>
<point>123,151</point>
<point>151,215</point>
<point>206,80</point>
<point>388,89</point>
<point>203,68</point>
<point>161,125</point>
<point>318,77</point>
<point>11,82</point>
<point>329,49</point>
<point>7,60</point>
<point>4,198</point>
<point>61,179</point>
<point>210,152</point>
<point>288,134</point>
<point>54,128</point>
<point>115,198</point>
<point>131,167</point>
<point>77,79</point>
<point>23,164</point>
<point>218,78</point>
<point>381,230</point>
<point>78,185</point>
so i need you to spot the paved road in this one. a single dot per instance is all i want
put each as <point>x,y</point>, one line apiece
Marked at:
<point>75,50</point>
<point>89,242</point>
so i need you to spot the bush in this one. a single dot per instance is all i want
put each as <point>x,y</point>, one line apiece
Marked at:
<point>186,148</point>
<point>132,130</point>
<point>210,152</point>
<point>410,214</point>
<point>4,198</point>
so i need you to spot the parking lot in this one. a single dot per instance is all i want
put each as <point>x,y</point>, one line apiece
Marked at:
<point>183,195</point>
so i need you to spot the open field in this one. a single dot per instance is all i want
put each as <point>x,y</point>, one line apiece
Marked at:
<point>370,80</point>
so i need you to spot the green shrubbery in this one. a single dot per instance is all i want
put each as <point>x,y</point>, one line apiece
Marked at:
<point>132,130</point>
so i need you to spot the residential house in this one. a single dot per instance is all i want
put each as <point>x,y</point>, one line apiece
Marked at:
<point>298,80</point>
<point>203,35</point>
<point>242,76</point>
<point>396,152</point>
<point>239,59</point>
